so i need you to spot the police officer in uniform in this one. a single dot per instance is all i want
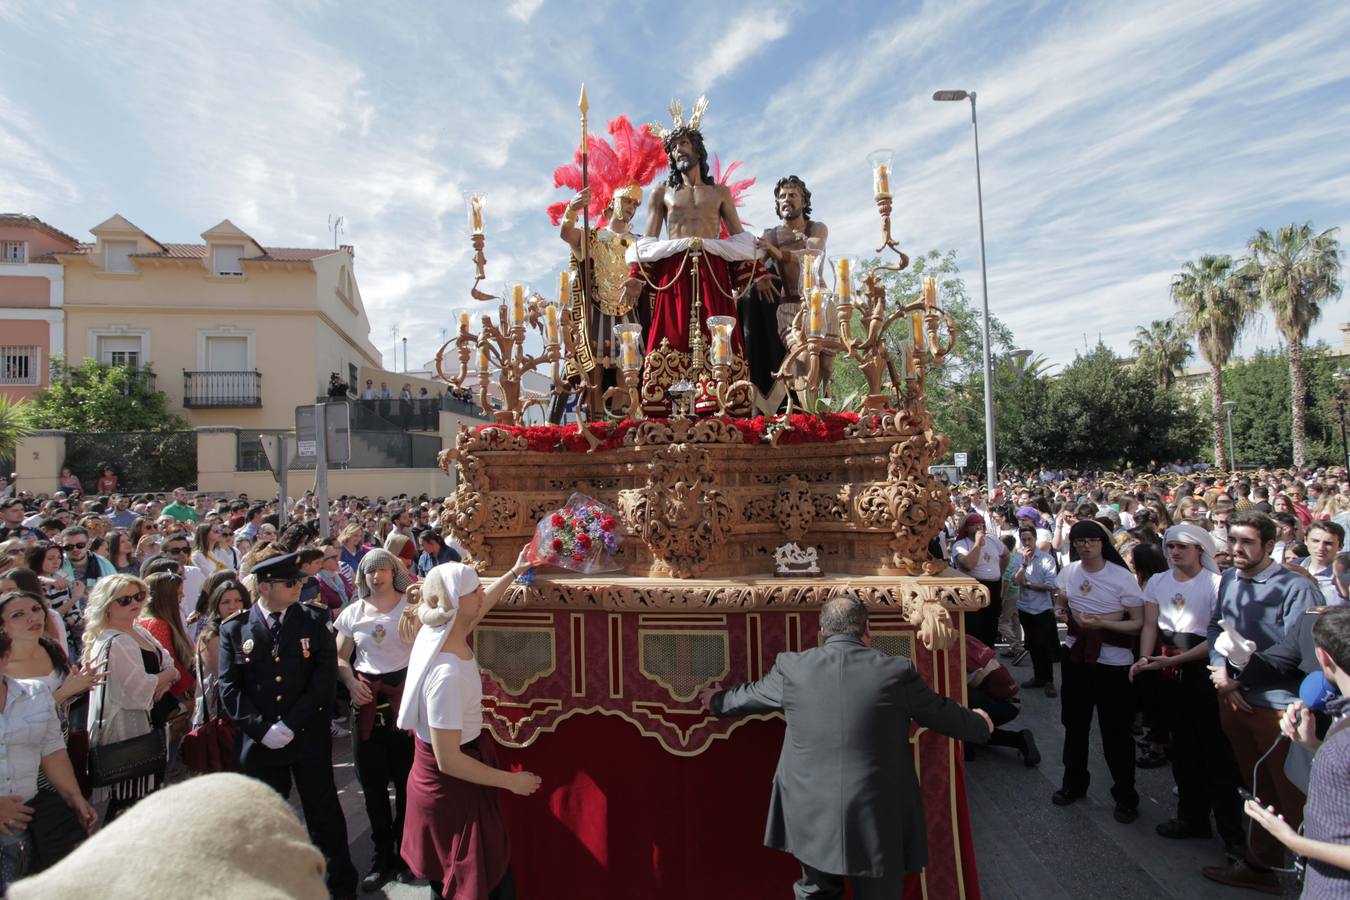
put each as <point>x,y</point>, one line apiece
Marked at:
<point>278,672</point>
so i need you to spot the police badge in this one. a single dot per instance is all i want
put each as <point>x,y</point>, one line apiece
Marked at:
<point>248,646</point>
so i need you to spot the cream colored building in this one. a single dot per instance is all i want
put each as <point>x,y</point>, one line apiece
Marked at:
<point>237,333</point>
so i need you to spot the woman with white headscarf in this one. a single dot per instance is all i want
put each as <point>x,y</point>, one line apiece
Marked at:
<point>1178,604</point>
<point>454,835</point>
<point>373,665</point>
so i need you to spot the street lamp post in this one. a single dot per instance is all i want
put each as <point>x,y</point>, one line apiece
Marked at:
<point>990,452</point>
<point>1341,378</point>
<point>1232,451</point>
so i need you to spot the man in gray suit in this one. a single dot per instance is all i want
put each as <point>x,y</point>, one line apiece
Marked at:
<point>846,801</point>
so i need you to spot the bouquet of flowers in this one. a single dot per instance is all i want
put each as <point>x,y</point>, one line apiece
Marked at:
<point>583,536</point>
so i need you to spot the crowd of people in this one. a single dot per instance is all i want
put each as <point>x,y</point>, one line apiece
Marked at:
<point>146,637</point>
<point>1195,606</point>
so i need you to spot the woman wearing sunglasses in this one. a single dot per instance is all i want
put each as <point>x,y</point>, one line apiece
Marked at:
<point>138,671</point>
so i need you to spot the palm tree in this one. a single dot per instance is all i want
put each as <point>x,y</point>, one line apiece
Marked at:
<point>1298,270</point>
<point>1215,302</point>
<point>1161,350</point>
<point>14,427</point>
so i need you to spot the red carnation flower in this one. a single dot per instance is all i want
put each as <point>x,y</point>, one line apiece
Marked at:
<point>584,540</point>
<point>558,521</point>
<point>607,524</point>
<point>557,544</point>
<point>579,557</point>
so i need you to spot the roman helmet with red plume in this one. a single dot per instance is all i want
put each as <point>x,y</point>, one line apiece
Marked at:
<point>622,170</point>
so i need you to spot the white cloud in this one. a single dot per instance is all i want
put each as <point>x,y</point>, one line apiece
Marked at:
<point>741,39</point>
<point>524,10</point>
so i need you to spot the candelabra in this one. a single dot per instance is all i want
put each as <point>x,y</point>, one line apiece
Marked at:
<point>926,346</point>
<point>731,398</point>
<point>501,347</point>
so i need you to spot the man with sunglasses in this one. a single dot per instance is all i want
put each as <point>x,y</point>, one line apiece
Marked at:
<point>278,675</point>
<point>79,564</point>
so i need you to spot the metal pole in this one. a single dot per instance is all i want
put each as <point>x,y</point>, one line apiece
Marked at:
<point>321,465</point>
<point>990,452</point>
<point>1345,454</point>
<point>1232,451</point>
<point>405,355</point>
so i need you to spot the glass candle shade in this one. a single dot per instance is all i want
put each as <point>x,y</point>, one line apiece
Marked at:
<point>518,294</point>
<point>815,314</point>
<point>882,172</point>
<point>809,263</point>
<point>474,201</point>
<point>843,278</point>
<point>630,336</point>
<point>719,327</point>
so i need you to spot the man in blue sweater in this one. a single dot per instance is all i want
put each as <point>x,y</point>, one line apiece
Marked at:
<point>1259,601</point>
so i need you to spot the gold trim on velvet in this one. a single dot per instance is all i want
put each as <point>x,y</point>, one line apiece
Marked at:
<point>670,620</point>
<point>531,677</point>
<point>794,632</point>
<point>754,657</point>
<point>645,732</point>
<point>615,656</point>
<point>577,625</point>
<point>643,636</point>
<point>544,706</point>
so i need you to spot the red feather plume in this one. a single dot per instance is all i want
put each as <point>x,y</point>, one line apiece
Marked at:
<point>636,157</point>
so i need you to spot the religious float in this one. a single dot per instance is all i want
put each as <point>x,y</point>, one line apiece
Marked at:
<point>739,519</point>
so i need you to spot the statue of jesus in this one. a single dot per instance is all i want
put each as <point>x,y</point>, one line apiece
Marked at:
<point>705,264</point>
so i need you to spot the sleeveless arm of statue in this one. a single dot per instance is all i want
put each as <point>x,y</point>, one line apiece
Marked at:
<point>656,211</point>
<point>569,231</point>
<point>819,234</point>
<point>730,217</point>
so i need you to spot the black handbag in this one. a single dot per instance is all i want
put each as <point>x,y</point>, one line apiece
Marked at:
<point>138,757</point>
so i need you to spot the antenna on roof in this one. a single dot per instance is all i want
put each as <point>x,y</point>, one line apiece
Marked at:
<point>335,226</point>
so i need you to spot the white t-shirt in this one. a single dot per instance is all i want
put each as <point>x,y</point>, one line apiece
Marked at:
<point>452,698</point>
<point>1100,593</point>
<point>379,650</point>
<point>986,568</point>
<point>1183,606</point>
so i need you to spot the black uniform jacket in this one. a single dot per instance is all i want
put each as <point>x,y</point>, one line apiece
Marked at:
<point>294,683</point>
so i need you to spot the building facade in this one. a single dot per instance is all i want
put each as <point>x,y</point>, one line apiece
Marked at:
<point>32,298</point>
<point>238,334</point>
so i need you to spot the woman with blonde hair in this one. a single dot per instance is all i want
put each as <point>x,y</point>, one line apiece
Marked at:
<point>138,671</point>
<point>454,835</point>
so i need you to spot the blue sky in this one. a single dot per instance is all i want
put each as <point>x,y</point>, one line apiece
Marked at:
<point>1118,140</point>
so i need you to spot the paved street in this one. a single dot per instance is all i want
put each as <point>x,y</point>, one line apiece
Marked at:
<point>1028,849</point>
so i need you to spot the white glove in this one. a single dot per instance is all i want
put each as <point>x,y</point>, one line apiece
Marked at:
<point>278,736</point>
<point>1238,649</point>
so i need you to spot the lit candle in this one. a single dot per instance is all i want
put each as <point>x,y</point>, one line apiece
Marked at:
<point>463,321</point>
<point>564,286</point>
<point>807,261</point>
<point>482,359</point>
<point>930,292</point>
<point>551,323</point>
<point>883,180</point>
<point>517,304</point>
<point>907,354</point>
<point>721,348</point>
<point>845,279</point>
<point>916,323</point>
<point>816,322</point>
<point>630,360</point>
<point>476,213</point>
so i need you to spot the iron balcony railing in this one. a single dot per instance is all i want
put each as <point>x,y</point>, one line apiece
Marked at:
<point>221,390</point>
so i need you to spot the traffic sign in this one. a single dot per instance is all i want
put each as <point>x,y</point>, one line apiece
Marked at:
<point>337,432</point>
<point>960,460</point>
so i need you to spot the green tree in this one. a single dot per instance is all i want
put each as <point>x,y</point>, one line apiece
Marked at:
<point>1262,415</point>
<point>1100,413</point>
<point>96,397</point>
<point>14,427</point>
<point>1216,302</point>
<point>1298,271</point>
<point>1161,349</point>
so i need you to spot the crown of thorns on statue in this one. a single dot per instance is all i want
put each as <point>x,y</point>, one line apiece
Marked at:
<point>622,170</point>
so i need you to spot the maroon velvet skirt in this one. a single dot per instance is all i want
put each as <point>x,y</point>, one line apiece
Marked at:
<point>453,833</point>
